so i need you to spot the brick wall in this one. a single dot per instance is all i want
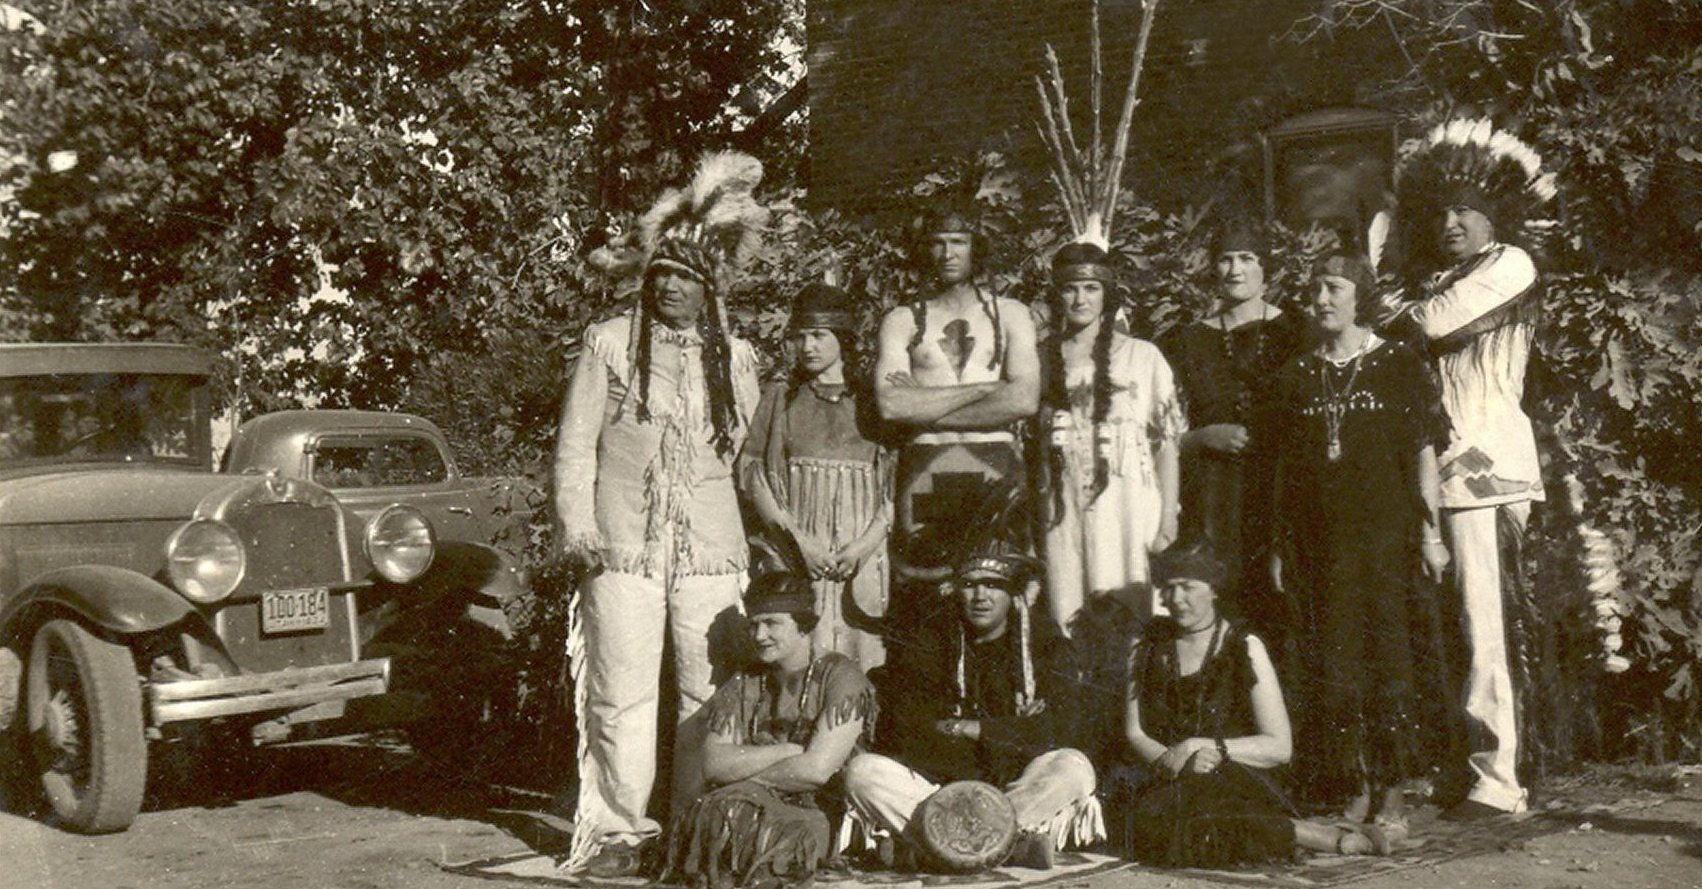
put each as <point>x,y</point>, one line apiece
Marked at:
<point>896,83</point>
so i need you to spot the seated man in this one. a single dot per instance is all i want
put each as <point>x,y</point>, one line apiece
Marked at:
<point>778,736</point>
<point>994,694</point>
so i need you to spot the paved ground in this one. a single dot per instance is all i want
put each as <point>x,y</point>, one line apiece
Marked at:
<point>366,817</point>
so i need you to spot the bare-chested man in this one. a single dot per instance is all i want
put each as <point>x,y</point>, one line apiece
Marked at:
<point>956,370</point>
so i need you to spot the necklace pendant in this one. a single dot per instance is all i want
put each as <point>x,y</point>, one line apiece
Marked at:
<point>1334,449</point>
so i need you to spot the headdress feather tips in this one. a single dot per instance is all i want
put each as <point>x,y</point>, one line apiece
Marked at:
<point>715,219</point>
<point>1469,161</point>
<point>1089,177</point>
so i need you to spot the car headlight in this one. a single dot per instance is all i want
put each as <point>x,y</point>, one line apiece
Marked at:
<point>205,560</point>
<point>400,541</point>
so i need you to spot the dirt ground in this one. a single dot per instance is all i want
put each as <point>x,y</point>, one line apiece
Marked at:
<point>370,816</point>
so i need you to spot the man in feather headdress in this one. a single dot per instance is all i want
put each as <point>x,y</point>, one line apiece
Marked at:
<point>1473,298</point>
<point>992,692</point>
<point>659,402</point>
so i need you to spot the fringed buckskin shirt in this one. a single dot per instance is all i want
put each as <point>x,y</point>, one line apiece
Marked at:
<point>651,496</point>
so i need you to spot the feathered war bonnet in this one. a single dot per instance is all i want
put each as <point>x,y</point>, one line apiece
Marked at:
<point>994,548</point>
<point>706,229</point>
<point>1470,163</point>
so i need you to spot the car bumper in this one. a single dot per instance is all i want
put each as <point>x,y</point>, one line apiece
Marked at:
<point>170,702</point>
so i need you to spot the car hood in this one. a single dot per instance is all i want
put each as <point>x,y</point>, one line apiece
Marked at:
<point>106,495</point>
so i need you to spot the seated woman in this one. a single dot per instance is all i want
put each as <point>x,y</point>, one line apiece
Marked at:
<point>1206,720</point>
<point>779,735</point>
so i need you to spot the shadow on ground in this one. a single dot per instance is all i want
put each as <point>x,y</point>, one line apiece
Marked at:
<point>370,771</point>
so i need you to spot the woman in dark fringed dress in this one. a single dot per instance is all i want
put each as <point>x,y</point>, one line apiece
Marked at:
<point>1224,364</point>
<point>1209,730</point>
<point>1358,531</point>
<point>779,736</point>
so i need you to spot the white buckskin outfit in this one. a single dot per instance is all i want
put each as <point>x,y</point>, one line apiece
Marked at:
<point>1477,317</point>
<point>1478,320</point>
<point>645,483</point>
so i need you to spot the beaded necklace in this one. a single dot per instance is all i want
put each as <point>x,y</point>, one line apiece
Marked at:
<point>830,397</point>
<point>1335,403</point>
<point>1243,398</point>
<point>774,720</point>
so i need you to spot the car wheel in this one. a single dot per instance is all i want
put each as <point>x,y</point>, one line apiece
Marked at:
<point>84,711</point>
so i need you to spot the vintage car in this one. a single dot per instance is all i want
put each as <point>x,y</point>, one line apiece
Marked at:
<point>145,599</point>
<point>372,460</point>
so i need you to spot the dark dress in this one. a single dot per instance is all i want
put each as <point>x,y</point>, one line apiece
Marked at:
<point>748,834</point>
<point>1236,815</point>
<point>1225,377</point>
<point>1370,652</point>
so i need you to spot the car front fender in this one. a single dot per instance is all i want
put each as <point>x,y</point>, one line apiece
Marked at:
<point>486,576</point>
<point>475,568</point>
<point>112,598</point>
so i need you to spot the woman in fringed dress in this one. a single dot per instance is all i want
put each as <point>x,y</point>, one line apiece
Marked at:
<point>820,481</point>
<point>779,736</point>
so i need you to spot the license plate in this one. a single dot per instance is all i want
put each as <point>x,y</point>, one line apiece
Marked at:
<point>290,611</point>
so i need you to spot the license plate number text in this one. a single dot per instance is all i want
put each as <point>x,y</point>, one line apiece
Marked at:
<point>291,611</point>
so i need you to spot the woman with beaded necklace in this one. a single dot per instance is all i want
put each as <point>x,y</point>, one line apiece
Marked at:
<point>1356,528</point>
<point>1210,735</point>
<point>1113,424</point>
<point>818,479</point>
<point>1223,365</point>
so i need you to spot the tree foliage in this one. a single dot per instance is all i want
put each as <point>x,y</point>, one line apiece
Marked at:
<point>384,203</point>
<point>1610,93</point>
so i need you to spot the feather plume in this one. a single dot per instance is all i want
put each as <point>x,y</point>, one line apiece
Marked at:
<point>717,210</point>
<point>1089,179</point>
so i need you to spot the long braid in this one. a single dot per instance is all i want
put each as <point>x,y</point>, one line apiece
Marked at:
<point>1102,401</point>
<point>990,305</point>
<point>644,324</point>
<point>718,378</point>
<point>1055,397</point>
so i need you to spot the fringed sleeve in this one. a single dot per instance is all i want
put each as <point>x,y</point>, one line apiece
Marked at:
<point>846,695</point>
<point>1167,421</point>
<point>576,443</point>
<point>725,712</point>
<point>747,383</point>
<point>757,462</point>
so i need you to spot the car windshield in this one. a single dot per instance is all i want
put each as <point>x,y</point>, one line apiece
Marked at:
<point>377,461</point>
<point>103,417</point>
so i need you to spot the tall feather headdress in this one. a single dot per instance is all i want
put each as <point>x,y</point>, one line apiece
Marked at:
<point>707,228</point>
<point>1089,178</point>
<point>1469,161</point>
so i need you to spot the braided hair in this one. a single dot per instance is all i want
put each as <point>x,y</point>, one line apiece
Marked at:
<point>1077,262</point>
<point>717,365</point>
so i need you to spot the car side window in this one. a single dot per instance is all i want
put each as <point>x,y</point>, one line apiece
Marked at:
<point>378,461</point>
